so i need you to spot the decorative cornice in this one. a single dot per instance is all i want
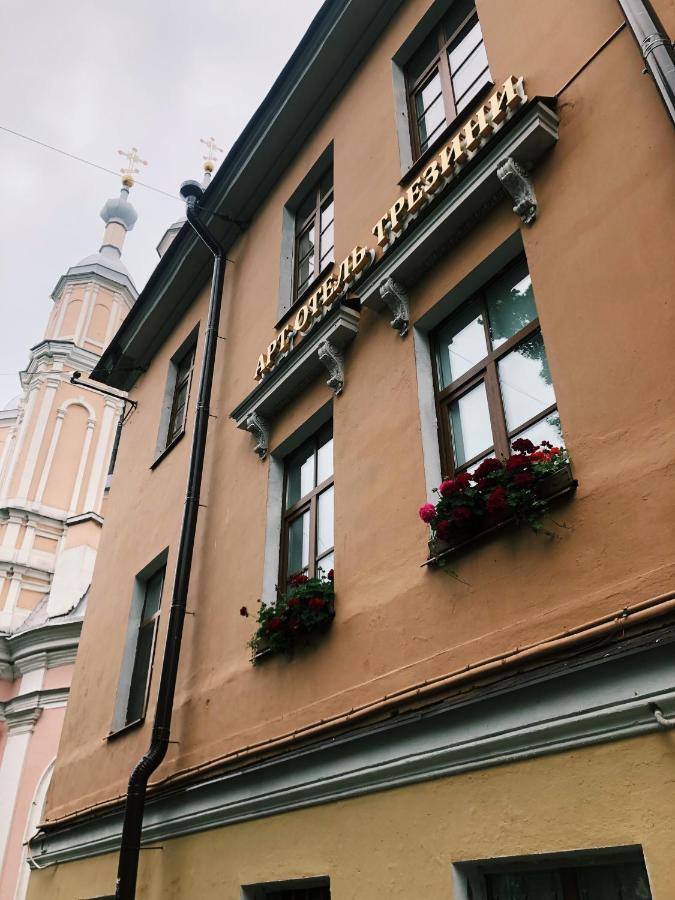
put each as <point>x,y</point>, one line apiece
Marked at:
<point>48,646</point>
<point>605,695</point>
<point>63,352</point>
<point>532,132</point>
<point>22,712</point>
<point>321,347</point>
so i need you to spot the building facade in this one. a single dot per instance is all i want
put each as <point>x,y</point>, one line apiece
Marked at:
<point>55,451</point>
<point>447,234</point>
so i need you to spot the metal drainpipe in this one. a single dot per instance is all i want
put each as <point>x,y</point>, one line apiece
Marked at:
<point>656,49</point>
<point>127,870</point>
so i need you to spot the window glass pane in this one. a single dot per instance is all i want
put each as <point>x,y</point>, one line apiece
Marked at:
<point>464,101</point>
<point>327,243</point>
<point>139,677</point>
<point>469,71</point>
<point>327,215</point>
<point>619,882</point>
<point>525,886</point>
<point>326,183</point>
<point>422,58</point>
<point>324,462</point>
<point>326,563</point>
<point>457,14</point>
<point>547,429</point>
<point>300,474</point>
<point>526,382</point>
<point>298,544</point>
<point>427,95</point>
<point>470,424</point>
<point>431,122</point>
<point>153,595</point>
<point>462,344</point>
<point>324,525</point>
<point>510,302</point>
<point>462,48</point>
<point>185,365</point>
<point>306,243</point>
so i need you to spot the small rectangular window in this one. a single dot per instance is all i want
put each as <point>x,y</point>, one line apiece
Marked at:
<point>181,394</point>
<point>493,382</point>
<point>314,240</point>
<point>302,889</point>
<point>307,545</point>
<point>446,72</point>
<point>145,647</point>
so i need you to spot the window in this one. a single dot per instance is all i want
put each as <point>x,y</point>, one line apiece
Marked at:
<point>617,880</point>
<point>313,235</point>
<point>303,889</point>
<point>145,647</point>
<point>181,393</point>
<point>307,530</point>
<point>445,73</point>
<point>492,378</point>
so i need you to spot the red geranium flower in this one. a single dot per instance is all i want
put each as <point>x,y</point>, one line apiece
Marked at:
<point>483,484</point>
<point>461,513</point>
<point>293,602</point>
<point>455,485</point>
<point>274,624</point>
<point>523,479</point>
<point>331,575</point>
<point>496,502</point>
<point>486,467</point>
<point>295,580</point>
<point>519,461</point>
<point>443,529</point>
<point>243,611</point>
<point>316,604</point>
<point>427,512</point>
<point>524,445</point>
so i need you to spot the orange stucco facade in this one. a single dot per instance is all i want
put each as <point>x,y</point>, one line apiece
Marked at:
<point>600,259</point>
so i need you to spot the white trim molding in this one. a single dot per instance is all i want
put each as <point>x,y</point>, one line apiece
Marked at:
<point>603,695</point>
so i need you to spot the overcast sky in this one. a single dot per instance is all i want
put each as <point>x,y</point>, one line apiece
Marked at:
<point>93,77</point>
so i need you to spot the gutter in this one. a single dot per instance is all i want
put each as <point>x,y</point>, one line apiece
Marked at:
<point>138,782</point>
<point>656,49</point>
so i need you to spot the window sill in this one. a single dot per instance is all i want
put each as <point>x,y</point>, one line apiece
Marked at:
<point>130,726</point>
<point>300,299</point>
<point>554,488</point>
<point>419,164</point>
<point>167,449</point>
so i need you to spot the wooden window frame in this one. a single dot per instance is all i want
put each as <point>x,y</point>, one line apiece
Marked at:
<point>152,622</point>
<point>302,226</point>
<point>309,501</point>
<point>484,371</point>
<point>440,63</point>
<point>174,433</point>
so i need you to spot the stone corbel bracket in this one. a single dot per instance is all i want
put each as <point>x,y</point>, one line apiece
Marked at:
<point>396,298</point>
<point>259,430</point>
<point>518,184</point>
<point>333,360</point>
<point>319,350</point>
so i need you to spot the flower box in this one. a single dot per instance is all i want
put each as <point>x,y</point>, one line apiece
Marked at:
<point>498,493</point>
<point>304,610</point>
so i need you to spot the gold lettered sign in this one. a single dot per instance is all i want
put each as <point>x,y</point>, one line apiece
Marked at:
<point>467,141</point>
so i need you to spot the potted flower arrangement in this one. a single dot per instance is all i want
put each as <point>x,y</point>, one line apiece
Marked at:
<point>304,609</point>
<point>518,488</point>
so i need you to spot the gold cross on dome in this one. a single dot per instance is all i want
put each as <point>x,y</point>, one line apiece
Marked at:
<point>133,159</point>
<point>212,147</point>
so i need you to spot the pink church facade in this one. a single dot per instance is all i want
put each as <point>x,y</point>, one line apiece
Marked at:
<point>55,453</point>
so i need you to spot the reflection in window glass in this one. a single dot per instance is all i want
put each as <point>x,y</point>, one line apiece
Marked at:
<point>510,301</point>
<point>324,528</point>
<point>324,461</point>
<point>298,544</point>
<point>474,66</point>
<point>300,478</point>
<point>470,424</point>
<point>461,344</point>
<point>525,381</point>
<point>326,563</point>
<point>547,429</point>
